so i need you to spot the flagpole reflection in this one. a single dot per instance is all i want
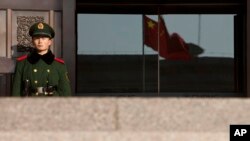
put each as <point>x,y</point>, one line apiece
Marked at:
<point>199,30</point>
<point>158,35</point>
<point>143,62</point>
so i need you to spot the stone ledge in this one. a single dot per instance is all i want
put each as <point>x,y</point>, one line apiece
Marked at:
<point>57,114</point>
<point>182,114</point>
<point>122,114</point>
<point>113,136</point>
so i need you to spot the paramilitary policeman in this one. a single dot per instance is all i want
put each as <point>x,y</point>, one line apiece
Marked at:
<point>39,73</point>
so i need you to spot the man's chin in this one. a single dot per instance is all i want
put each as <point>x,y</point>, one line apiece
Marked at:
<point>41,49</point>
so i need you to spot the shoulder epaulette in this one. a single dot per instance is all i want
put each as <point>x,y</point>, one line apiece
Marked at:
<point>59,60</point>
<point>22,58</point>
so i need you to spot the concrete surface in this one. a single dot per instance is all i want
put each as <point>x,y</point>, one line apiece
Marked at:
<point>123,119</point>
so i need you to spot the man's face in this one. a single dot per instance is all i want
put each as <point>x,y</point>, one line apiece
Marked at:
<point>41,43</point>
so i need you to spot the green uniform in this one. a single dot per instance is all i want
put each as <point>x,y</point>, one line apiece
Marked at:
<point>40,75</point>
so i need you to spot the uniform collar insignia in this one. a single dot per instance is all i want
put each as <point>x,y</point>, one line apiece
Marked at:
<point>34,57</point>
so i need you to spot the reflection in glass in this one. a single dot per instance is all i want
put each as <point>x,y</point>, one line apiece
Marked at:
<point>109,54</point>
<point>211,68</point>
<point>112,57</point>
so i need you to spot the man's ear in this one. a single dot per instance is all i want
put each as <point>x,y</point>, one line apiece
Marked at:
<point>50,41</point>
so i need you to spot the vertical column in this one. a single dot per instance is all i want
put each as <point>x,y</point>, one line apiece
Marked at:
<point>248,49</point>
<point>9,33</point>
<point>9,50</point>
<point>51,23</point>
<point>3,32</point>
<point>69,39</point>
<point>58,31</point>
<point>3,52</point>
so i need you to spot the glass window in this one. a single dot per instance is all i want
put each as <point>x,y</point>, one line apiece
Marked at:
<point>196,55</point>
<point>109,54</point>
<point>210,41</point>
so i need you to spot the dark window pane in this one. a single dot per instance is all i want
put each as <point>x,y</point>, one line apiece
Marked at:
<point>109,54</point>
<point>210,40</point>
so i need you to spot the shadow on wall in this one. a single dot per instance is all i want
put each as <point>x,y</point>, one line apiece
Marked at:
<point>19,50</point>
<point>7,65</point>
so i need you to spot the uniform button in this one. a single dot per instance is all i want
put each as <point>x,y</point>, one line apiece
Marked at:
<point>35,70</point>
<point>48,70</point>
<point>36,81</point>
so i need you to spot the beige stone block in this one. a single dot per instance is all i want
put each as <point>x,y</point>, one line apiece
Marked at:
<point>182,114</point>
<point>57,114</point>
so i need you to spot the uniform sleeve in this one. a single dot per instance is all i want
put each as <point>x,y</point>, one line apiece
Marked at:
<point>64,83</point>
<point>17,81</point>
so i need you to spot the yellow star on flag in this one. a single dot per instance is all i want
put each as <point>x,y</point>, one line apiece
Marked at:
<point>150,24</point>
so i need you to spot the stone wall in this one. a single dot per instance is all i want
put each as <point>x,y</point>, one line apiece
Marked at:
<point>120,119</point>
